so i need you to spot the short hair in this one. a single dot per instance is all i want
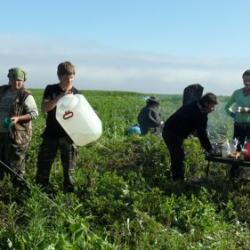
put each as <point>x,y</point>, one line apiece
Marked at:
<point>65,68</point>
<point>246,73</point>
<point>208,98</point>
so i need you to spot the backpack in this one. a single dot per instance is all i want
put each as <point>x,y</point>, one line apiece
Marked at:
<point>192,93</point>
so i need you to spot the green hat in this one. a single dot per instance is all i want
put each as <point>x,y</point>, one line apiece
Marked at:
<point>17,74</point>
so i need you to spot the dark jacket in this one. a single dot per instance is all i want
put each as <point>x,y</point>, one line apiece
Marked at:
<point>149,118</point>
<point>186,120</point>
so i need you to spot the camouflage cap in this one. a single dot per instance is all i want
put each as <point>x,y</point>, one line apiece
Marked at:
<point>17,74</point>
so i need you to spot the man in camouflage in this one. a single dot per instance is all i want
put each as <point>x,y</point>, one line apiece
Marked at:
<point>17,109</point>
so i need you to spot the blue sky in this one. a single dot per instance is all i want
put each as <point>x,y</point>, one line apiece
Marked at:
<point>142,46</point>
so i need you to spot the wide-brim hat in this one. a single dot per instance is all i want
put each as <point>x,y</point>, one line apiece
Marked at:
<point>153,99</point>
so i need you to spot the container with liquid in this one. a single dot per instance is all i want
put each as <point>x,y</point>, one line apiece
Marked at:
<point>78,119</point>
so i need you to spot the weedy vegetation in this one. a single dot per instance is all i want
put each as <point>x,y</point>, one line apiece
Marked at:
<point>124,197</point>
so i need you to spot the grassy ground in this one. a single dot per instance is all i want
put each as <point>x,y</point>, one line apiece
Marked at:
<point>124,196</point>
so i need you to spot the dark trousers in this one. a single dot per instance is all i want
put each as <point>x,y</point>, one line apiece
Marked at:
<point>242,133</point>
<point>14,157</point>
<point>177,155</point>
<point>154,130</point>
<point>47,153</point>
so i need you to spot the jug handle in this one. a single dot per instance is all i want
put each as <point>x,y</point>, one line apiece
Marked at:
<point>67,115</point>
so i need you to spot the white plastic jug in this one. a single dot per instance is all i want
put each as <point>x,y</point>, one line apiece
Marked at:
<point>225,149</point>
<point>78,119</point>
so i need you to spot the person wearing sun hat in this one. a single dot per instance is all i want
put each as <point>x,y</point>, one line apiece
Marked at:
<point>17,109</point>
<point>149,117</point>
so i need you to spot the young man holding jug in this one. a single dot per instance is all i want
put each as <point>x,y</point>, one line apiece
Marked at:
<point>54,137</point>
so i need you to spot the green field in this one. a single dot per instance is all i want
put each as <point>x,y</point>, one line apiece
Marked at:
<point>124,196</point>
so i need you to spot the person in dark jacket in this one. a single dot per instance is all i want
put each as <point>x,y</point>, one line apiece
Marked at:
<point>149,118</point>
<point>184,121</point>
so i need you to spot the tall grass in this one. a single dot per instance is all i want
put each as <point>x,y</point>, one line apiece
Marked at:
<point>124,196</point>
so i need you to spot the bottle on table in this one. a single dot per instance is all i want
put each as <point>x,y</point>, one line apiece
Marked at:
<point>225,149</point>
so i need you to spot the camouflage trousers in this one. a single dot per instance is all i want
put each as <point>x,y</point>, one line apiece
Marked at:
<point>14,157</point>
<point>46,155</point>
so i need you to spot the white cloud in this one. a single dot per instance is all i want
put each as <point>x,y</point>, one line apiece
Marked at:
<point>118,70</point>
